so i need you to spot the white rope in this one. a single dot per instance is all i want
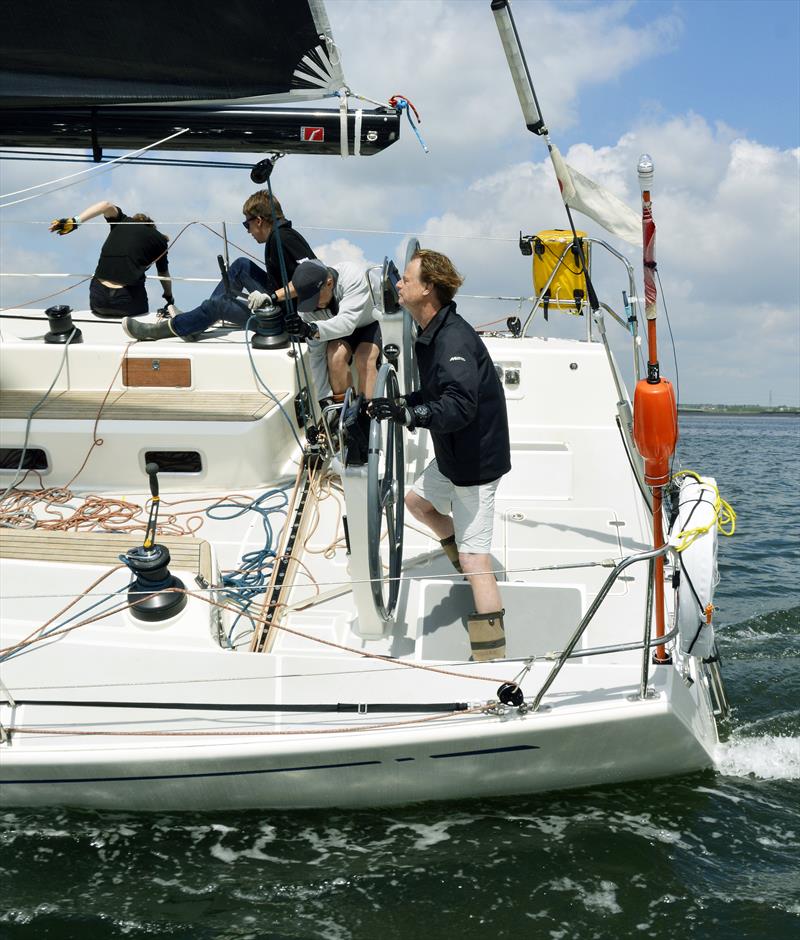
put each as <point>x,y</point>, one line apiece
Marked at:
<point>152,277</point>
<point>322,228</point>
<point>357,134</point>
<point>92,169</point>
<point>214,280</point>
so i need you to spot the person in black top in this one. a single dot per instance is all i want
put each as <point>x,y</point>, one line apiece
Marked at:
<point>133,244</point>
<point>258,287</point>
<point>461,401</point>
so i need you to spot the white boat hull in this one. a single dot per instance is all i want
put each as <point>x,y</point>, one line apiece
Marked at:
<point>562,747</point>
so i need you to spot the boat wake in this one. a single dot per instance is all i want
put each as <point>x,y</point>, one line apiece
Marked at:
<point>767,757</point>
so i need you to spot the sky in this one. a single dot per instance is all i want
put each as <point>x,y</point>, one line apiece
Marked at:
<point>709,88</point>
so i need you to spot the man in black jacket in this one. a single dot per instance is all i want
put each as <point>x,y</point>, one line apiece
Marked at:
<point>461,402</point>
<point>265,222</point>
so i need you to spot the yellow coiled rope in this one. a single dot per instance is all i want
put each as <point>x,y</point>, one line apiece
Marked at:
<point>725,517</point>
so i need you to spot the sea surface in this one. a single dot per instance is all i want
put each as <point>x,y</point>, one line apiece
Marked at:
<point>710,855</point>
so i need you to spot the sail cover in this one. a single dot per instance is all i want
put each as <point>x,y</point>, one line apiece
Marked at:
<point>55,54</point>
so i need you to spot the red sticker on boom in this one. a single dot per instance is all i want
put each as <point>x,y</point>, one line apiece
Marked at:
<point>312,134</point>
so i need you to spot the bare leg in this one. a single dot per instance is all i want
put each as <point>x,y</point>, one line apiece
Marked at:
<point>339,357</point>
<point>366,357</point>
<point>423,511</point>
<point>478,568</point>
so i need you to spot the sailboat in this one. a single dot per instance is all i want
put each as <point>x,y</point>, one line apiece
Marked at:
<point>206,605</point>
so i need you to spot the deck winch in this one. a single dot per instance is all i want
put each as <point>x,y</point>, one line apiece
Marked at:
<point>155,594</point>
<point>62,330</point>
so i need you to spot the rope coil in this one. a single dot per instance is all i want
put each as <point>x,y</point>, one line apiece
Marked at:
<point>724,515</point>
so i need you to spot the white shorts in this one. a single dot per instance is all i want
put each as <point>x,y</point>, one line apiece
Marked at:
<point>472,507</point>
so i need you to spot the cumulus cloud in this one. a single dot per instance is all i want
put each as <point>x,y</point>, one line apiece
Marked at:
<point>340,249</point>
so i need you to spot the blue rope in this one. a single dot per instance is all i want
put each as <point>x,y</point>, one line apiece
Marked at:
<point>402,105</point>
<point>249,581</point>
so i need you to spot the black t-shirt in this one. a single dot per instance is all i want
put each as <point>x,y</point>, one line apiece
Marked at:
<point>295,249</point>
<point>129,251</point>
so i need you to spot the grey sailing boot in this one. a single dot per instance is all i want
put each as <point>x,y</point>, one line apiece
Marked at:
<point>136,329</point>
<point>451,550</point>
<point>487,636</point>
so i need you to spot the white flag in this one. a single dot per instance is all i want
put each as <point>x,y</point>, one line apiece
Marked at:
<point>586,196</point>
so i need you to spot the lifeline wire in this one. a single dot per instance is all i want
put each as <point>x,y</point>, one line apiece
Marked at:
<point>423,577</point>
<point>94,169</point>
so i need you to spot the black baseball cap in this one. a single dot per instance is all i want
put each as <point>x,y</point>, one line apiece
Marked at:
<point>308,280</point>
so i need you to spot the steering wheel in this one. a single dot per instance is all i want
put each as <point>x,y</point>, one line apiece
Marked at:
<point>385,498</point>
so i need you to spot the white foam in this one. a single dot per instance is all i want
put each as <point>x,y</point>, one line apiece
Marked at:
<point>430,834</point>
<point>601,897</point>
<point>768,757</point>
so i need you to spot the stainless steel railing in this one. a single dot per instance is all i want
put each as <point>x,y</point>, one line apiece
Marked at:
<point>646,643</point>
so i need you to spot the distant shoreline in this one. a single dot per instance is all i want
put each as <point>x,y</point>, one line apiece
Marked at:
<point>739,412</point>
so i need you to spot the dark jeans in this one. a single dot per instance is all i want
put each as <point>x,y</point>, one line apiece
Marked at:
<point>243,274</point>
<point>129,301</point>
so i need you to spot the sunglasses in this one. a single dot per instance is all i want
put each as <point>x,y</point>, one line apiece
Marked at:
<point>248,220</point>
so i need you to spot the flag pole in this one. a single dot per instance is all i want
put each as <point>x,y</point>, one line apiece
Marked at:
<point>655,413</point>
<point>534,121</point>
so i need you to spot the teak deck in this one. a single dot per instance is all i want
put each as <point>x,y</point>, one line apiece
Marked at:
<point>100,548</point>
<point>127,405</point>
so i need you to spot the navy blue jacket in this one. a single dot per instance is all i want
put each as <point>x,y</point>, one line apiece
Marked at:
<point>466,407</point>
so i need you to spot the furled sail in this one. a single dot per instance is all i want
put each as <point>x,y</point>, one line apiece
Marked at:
<point>99,73</point>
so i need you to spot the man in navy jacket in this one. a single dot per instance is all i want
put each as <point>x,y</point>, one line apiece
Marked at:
<point>461,402</point>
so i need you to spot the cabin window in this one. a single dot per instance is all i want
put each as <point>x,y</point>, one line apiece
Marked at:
<point>35,458</point>
<point>175,461</point>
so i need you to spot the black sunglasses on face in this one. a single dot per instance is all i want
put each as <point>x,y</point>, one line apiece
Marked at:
<point>248,220</point>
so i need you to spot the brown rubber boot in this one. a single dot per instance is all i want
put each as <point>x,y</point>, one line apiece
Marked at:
<point>451,550</point>
<point>487,636</point>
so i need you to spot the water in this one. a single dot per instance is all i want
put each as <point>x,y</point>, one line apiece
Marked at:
<point>712,855</point>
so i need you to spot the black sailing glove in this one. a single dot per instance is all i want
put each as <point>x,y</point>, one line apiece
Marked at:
<point>296,326</point>
<point>393,409</point>
<point>419,416</point>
